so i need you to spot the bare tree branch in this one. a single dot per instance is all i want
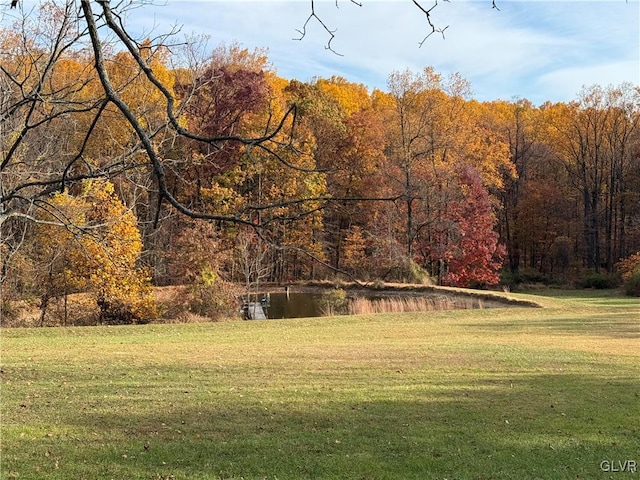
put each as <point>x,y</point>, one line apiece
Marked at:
<point>314,17</point>
<point>427,12</point>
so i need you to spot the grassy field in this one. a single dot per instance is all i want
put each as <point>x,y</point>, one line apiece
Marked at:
<point>512,393</point>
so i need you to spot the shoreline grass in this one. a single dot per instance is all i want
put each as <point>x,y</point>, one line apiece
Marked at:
<point>402,304</point>
<point>506,393</point>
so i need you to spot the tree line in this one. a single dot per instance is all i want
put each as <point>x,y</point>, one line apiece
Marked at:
<point>128,163</point>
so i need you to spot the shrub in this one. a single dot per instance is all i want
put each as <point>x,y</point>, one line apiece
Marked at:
<point>417,274</point>
<point>630,271</point>
<point>97,253</point>
<point>525,277</point>
<point>598,281</point>
<point>334,302</point>
<point>632,285</point>
<point>408,271</point>
<point>9,312</point>
<point>212,297</point>
<point>116,312</point>
<point>509,278</point>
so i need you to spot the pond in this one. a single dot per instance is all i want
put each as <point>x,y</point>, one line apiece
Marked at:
<point>292,305</point>
<point>312,304</point>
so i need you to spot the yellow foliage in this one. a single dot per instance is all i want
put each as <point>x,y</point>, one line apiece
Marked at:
<point>352,97</point>
<point>91,242</point>
<point>354,250</point>
<point>222,200</point>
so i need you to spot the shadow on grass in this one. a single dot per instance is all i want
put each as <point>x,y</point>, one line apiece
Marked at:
<point>533,426</point>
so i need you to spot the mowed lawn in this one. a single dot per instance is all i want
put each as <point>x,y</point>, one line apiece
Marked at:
<point>512,393</point>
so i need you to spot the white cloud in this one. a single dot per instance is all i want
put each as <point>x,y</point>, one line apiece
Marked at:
<point>535,49</point>
<point>567,82</point>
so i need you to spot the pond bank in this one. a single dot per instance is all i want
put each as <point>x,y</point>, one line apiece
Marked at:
<point>314,299</point>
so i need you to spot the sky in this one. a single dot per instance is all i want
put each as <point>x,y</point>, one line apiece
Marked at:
<point>541,50</point>
<point>534,49</point>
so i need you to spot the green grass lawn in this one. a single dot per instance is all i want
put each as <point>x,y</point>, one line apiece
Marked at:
<point>513,393</point>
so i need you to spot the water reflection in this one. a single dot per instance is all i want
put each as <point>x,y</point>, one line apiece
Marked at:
<point>278,305</point>
<point>298,305</point>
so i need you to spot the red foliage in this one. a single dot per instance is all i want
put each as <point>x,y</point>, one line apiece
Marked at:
<point>221,97</point>
<point>468,244</point>
<point>630,266</point>
<point>218,104</point>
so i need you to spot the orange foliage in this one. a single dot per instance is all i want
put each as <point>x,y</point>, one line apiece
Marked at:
<point>99,240</point>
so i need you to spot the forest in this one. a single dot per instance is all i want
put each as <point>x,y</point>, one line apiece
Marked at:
<point>128,165</point>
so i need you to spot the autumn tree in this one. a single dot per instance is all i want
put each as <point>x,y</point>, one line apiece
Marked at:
<point>349,149</point>
<point>57,128</point>
<point>536,213</point>
<point>515,124</point>
<point>89,241</point>
<point>218,99</point>
<point>199,262</point>
<point>279,189</point>
<point>462,242</point>
<point>424,125</point>
<point>42,84</point>
<point>122,119</point>
<point>59,253</point>
<point>594,138</point>
<point>35,107</point>
<point>325,172</point>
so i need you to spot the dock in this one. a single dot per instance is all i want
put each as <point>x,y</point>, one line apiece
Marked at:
<point>254,311</point>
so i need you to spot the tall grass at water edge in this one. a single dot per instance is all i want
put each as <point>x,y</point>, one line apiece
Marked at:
<point>400,304</point>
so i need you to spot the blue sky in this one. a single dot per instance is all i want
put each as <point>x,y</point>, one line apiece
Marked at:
<point>534,49</point>
<point>542,50</point>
